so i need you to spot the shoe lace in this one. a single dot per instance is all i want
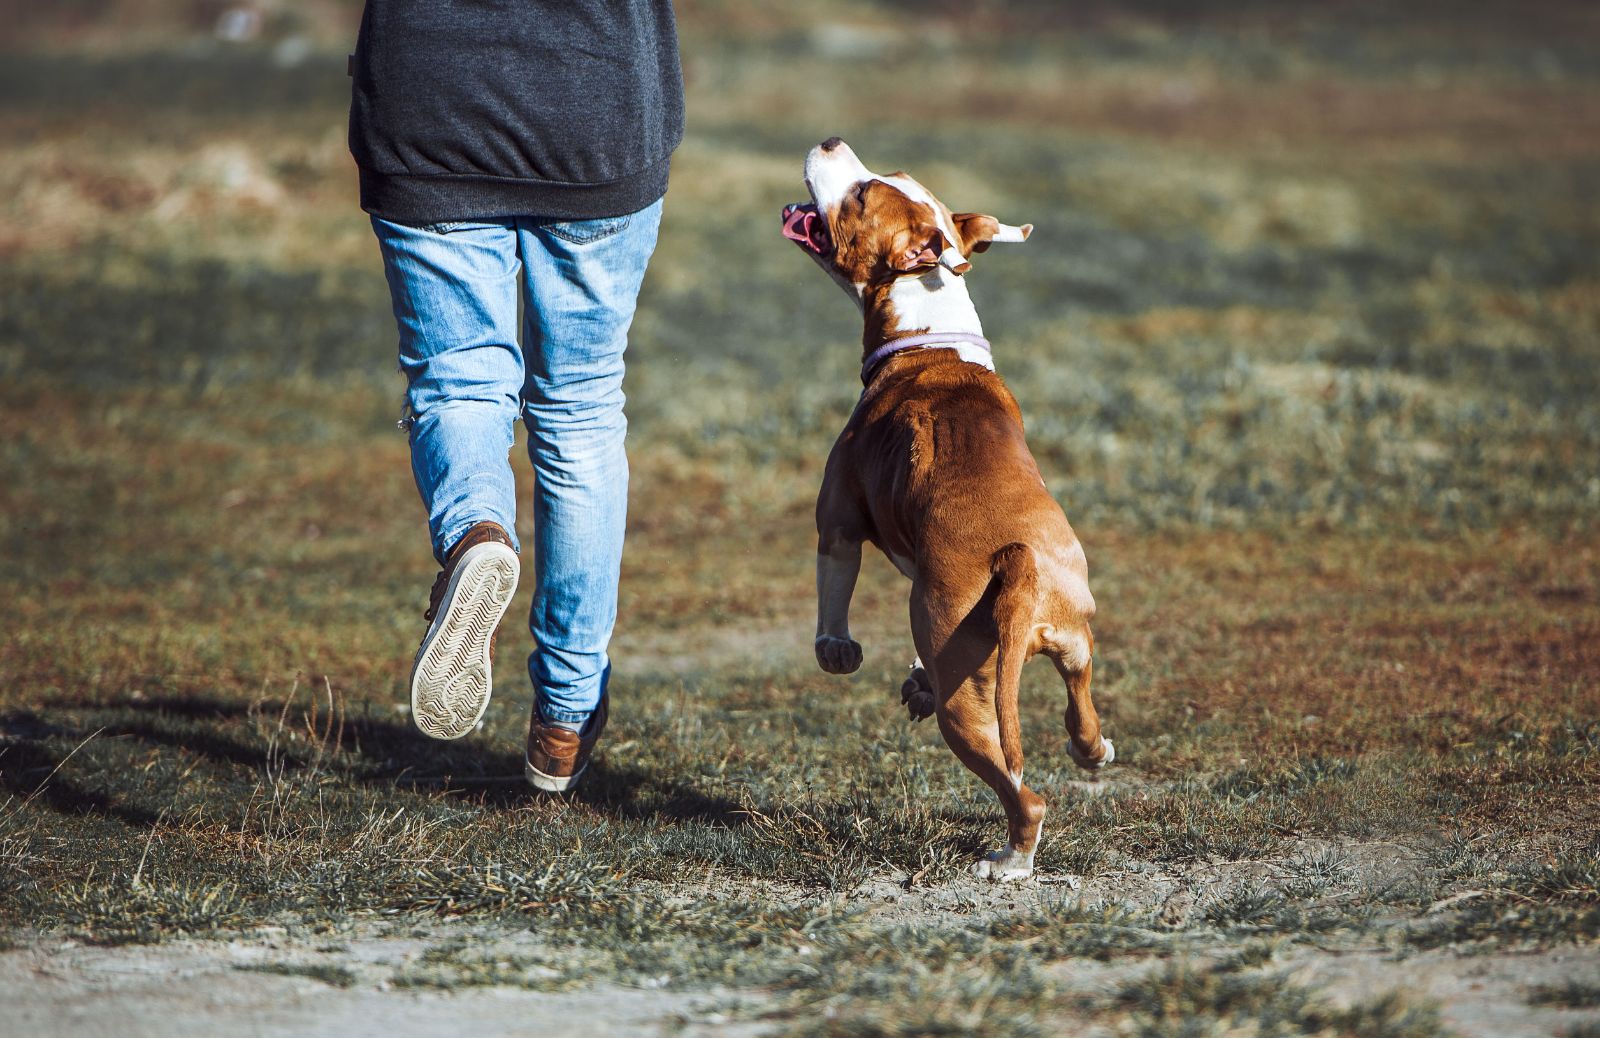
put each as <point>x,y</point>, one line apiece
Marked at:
<point>434,595</point>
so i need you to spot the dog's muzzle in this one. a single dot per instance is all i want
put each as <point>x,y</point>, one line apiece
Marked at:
<point>802,223</point>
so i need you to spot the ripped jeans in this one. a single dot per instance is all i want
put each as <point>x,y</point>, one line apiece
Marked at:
<point>455,289</point>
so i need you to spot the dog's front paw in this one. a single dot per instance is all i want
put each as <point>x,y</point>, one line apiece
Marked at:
<point>1091,763</point>
<point>838,655</point>
<point>917,693</point>
<point>1006,865</point>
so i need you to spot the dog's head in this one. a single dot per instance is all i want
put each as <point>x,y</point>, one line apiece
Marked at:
<point>866,229</point>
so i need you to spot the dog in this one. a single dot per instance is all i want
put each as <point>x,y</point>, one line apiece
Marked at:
<point>932,468</point>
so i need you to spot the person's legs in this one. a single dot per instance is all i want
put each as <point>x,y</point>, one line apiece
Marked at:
<point>454,289</point>
<point>582,280</point>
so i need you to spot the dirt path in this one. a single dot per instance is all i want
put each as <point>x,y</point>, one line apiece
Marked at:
<point>376,979</point>
<point>270,984</point>
<point>1479,996</point>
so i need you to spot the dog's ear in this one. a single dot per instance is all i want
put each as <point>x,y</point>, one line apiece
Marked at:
<point>918,248</point>
<point>979,230</point>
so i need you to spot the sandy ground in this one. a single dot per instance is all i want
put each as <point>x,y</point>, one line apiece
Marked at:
<point>207,987</point>
<point>1479,996</point>
<point>50,986</point>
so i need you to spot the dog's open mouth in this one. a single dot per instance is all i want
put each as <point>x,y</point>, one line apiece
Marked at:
<point>802,223</point>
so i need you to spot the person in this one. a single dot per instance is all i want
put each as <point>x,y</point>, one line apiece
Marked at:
<point>517,152</point>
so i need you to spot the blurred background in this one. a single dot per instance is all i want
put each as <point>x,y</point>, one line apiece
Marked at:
<point>1300,270</point>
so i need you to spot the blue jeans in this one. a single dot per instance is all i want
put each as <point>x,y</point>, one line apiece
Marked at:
<point>455,289</point>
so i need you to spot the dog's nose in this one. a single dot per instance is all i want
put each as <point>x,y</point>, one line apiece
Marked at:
<point>831,144</point>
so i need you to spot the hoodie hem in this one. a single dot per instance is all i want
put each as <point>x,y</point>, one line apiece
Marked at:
<point>409,199</point>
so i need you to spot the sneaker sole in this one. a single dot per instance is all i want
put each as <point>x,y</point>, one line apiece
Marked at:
<point>451,678</point>
<point>550,783</point>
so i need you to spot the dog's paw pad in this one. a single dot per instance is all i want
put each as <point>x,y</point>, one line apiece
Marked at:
<point>917,694</point>
<point>838,655</point>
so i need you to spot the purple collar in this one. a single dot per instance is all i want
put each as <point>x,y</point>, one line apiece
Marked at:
<point>893,346</point>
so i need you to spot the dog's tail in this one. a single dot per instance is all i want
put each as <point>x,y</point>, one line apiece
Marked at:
<point>1016,575</point>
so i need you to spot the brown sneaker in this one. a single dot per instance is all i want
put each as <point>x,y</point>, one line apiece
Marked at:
<point>451,676</point>
<point>557,756</point>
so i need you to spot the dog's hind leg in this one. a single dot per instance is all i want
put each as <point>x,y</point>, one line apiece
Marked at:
<point>1072,652</point>
<point>971,729</point>
<point>917,693</point>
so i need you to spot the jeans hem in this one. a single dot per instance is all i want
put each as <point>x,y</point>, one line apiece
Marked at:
<point>453,535</point>
<point>564,716</point>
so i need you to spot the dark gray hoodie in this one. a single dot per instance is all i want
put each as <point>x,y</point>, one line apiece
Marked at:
<point>465,109</point>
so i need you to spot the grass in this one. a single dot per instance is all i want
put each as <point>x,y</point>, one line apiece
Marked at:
<point>326,973</point>
<point>1574,994</point>
<point>1305,346</point>
<point>1170,1002</point>
<point>1559,900</point>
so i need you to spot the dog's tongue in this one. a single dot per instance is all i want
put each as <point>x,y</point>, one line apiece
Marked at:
<point>803,224</point>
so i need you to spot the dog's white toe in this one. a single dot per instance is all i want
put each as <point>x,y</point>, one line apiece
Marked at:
<point>1088,764</point>
<point>1006,865</point>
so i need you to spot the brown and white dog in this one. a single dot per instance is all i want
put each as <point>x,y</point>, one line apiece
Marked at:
<point>932,468</point>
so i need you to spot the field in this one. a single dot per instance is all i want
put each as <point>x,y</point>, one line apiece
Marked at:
<point>1308,345</point>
